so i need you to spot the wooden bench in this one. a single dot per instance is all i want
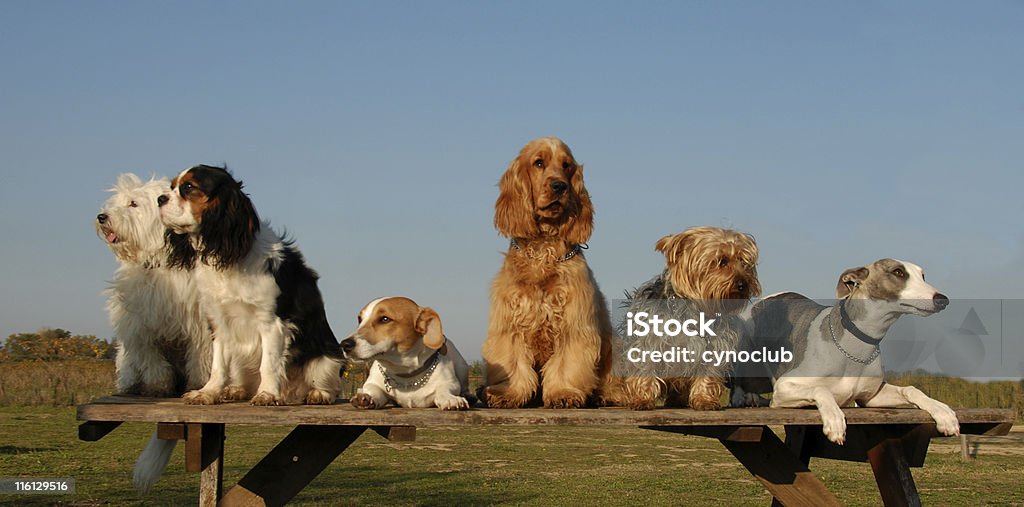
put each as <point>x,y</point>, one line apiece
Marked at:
<point>892,440</point>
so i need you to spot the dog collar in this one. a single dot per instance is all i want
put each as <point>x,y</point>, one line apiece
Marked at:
<point>844,319</point>
<point>874,353</point>
<point>417,378</point>
<point>572,251</point>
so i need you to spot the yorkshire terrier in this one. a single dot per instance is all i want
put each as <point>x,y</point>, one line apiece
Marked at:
<point>710,270</point>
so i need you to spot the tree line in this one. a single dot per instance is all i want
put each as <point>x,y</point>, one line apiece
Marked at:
<point>54,344</point>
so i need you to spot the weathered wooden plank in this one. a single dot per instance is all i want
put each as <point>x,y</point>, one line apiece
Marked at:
<point>91,431</point>
<point>173,410</point>
<point>170,431</point>
<point>290,466</point>
<point>781,472</point>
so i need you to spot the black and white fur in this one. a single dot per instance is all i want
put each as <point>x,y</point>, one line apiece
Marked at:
<point>272,339</point>
<point>821,374</point>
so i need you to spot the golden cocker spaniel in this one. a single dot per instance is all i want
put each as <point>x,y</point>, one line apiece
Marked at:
<point>549,324</point>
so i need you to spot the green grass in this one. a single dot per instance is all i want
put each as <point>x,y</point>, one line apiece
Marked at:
<point>481,466</point>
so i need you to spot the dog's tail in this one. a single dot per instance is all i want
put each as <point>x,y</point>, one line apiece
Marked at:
<point>152,462</point>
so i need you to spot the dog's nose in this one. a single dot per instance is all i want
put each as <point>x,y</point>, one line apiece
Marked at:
<point>348,344</point>
<point>160,201</point>
<point>559,187</point>
<point>940,300</point>
<point>102,218</point>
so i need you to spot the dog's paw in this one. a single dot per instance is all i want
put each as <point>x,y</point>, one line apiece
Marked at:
<point>363,400</point>
<point>265,399</point>
<point>641,403</point>
<point>452,403</point>
<point>233,393</point>
<point>199,398</point>
<point>318,397</point>
<point>946,421</point>
<point>498,397</point>
<point>833,424</point>
<point>705,403</point>
<point>565,400</point>
<point>744,399</point>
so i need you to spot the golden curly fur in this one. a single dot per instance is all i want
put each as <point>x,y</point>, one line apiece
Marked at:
<point>715,269</point>
<point>549,325</point>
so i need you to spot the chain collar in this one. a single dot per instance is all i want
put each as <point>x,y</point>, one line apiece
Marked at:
<point>416,379</point>
<point>844,319</point>
<point>572,251</point>
<point>869,360</point>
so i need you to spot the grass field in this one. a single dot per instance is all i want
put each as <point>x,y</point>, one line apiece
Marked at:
<point>481,466</point>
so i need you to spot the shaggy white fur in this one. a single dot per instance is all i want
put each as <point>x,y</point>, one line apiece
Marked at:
<point>163,341</point>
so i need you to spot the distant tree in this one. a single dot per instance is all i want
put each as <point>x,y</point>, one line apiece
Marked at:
<point>54,344</point>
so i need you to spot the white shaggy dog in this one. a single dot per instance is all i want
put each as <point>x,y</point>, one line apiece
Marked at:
<point>163,342</point>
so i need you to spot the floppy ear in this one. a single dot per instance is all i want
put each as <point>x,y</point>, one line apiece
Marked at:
<point>581,224</point>
<point>850,280</point>
<point>672,246</point>
<point>428,324</point>
<point>513,211</point>
<point>180,253</point>
<point>750,246</point>
<point>228,227</point>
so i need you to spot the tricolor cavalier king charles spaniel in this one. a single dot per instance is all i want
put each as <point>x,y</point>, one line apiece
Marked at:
<point>272,341</point>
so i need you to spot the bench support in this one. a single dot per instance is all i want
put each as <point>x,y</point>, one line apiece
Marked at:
<point>293,464</point>
<point>892,440</point>
<point>774,464</point>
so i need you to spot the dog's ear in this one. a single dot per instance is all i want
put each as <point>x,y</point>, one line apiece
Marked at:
<point>850,280</point>
<point>126,181</point>
<point>513,211</point>
<point>580,225</point>
<point>428,324</point>
<point>180,253</point>
<point>228,228</point>
<point>672,246</point>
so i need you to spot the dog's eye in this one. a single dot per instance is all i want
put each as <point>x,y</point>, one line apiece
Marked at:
<point>723,262</point>
<point>899,273</point>
<point>133,204</point>
<point>384,319</point>
<point>186,188</point>
<point>539,163</point>
<point>359,319</point>
<point>566,165</point>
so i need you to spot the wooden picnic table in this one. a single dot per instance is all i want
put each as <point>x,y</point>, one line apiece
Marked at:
<point>892,440</point>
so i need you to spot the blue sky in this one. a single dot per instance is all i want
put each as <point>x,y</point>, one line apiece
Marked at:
<point>835,132</point>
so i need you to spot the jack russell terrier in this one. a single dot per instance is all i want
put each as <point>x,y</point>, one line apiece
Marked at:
<point>835,349</point>
<point>413,364</point>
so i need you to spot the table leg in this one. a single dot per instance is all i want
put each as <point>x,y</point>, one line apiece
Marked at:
<point>291,465</point>
<point>211,452</point>
<point>892,473</point>
<point>796,437</point>
<point>781,471</point>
